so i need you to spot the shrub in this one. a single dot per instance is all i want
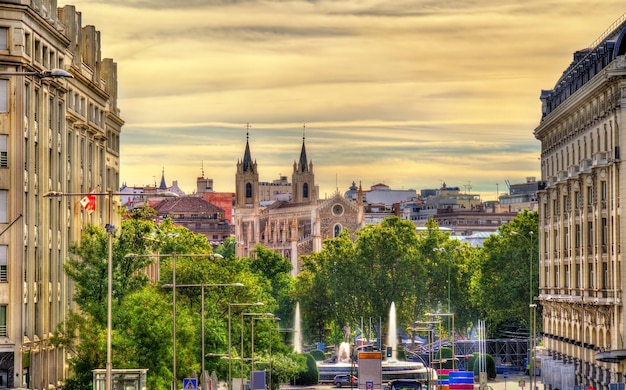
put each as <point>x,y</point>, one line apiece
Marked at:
<point>445,353</point>
<point>311,375</point>
<point>472,365</point>
<point>318,355</point>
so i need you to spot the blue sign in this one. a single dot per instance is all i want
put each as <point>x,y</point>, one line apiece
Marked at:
<point>190,384</point>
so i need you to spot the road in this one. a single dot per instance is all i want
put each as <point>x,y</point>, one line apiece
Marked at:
<point>513,382</point>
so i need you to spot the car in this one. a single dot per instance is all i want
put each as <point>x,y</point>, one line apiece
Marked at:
<point>404,384</point>
<point>345,380</point>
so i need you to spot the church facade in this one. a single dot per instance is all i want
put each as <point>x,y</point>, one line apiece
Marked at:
<point>291,228</point>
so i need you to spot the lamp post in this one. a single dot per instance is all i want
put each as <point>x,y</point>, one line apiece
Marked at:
<point>110,229</point>
<point>447,315</point>
<point>230,365</point>
<point>53,73</point>
<point>202,286</point>
<point>173,286</point>
<point>430,340</point>
<point>533,378</point>
<point>261,316</point>
<point>242,353</point>
<point>531,364</point>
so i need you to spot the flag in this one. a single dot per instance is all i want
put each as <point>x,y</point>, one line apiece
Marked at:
<point>89,203</point>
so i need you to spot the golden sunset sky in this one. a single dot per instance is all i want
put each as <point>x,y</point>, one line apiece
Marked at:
<point>406,93</point>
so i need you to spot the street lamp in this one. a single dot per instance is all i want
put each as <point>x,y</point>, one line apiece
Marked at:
<point>110,229</point>
<point>54,73</point>
<point>202,286</point>
<point>230,365</point>
<point>531,368</point>
<point>430,351</point>
<point>533,378</point>
<point>241,357</point>
<point>261,316</point>
<point>173,286</point>
<point>447,315</point>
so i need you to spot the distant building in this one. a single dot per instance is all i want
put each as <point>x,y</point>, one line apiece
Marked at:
<point>383,194</point>
<point>136,196</point>
<point>521,196</point>
<point>196,214</point>
<point>290,227</point>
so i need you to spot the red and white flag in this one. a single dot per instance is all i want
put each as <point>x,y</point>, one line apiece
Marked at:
<point>89,203</point>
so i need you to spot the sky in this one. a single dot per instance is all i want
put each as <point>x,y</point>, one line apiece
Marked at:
<point>409,93</point>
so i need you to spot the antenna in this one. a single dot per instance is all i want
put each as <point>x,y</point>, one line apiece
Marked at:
<point>248,131</point>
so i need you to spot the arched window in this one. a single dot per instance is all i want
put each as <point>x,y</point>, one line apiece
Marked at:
<point>337,230</point>
<point>305,190</point>
<point>248,190</point>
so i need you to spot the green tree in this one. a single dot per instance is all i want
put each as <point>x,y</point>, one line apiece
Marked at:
<point>501,287</point>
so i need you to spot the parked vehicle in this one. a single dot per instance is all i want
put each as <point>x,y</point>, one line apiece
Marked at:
<point>404,384</point>
<point>345,380</point>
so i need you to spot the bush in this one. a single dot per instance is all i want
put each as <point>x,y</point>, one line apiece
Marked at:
<point>318,355</point>
<point>311,375</point>
<point>472,365</point>
<point>445,354</point>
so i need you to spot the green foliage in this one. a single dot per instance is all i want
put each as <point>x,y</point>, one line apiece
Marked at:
<point>444,355</point>
<point>501,285</point>
<point>318,355</point>
<point>349,280</point>
<point>474,366</point>
<point>284,369</point>
<point>310,374</point>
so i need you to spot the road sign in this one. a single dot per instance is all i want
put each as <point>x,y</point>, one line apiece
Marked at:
<point>190,384</point>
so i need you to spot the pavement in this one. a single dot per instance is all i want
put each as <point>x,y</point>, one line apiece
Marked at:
<point>514,381</point>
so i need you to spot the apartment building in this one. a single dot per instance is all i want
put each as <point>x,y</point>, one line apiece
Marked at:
<point>581,273</point>
<point>56,134</point>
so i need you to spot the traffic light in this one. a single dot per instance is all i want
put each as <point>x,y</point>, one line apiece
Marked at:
<point>389,352</point>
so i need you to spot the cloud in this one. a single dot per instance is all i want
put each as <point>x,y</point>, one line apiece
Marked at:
<point>406,92</point>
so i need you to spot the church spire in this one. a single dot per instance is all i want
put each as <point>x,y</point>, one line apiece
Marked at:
<point>163,185</point>
<point>303,166</point>
<point>248,165</point>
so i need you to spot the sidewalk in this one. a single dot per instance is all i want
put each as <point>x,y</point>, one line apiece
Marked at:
<point>512,382</point>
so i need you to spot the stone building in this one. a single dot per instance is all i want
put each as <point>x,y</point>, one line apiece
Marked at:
<point>581,232</point>
<point>291,228</point>
<point>56,134</point>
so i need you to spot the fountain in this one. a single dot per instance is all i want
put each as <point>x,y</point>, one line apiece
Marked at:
<point>297,330</point>
<point>392,368</point>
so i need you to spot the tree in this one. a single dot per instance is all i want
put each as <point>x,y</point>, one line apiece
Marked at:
<point>501,286</point>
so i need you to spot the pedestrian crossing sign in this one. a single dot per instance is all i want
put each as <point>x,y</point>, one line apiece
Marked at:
<point>190,384</point>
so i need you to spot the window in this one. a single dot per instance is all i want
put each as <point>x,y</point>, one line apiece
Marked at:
<point>4,197</point>
<point>603,192</point>
<point>4,96</point>
<point>305,190</point>
<point>4,42</point>
<point>556,276</point>
<point>605,276</point>
<point>591,277</point>
<point>248,190</point>
<point>3,263</point>
<point>4,157</point>
<point>3,320</point>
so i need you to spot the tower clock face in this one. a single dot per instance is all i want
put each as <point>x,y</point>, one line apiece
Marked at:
<point>337,209</point>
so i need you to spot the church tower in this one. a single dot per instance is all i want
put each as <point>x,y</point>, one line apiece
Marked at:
<point>247,179</point>
<point>303,189</point>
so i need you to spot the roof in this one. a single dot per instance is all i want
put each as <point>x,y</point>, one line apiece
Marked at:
<point>186,204</point>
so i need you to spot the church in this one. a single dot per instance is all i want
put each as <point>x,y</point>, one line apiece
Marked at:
<point>292,227</point>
